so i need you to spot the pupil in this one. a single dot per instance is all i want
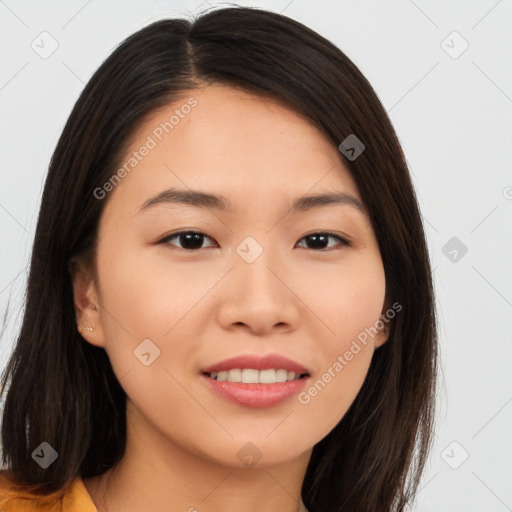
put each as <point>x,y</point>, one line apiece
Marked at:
<point>192,241</point>
<point>315,241</point>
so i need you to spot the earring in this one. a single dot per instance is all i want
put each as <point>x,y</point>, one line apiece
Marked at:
<point>85,328</point>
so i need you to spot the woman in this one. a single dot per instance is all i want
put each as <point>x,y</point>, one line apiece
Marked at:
<point>288,364</point>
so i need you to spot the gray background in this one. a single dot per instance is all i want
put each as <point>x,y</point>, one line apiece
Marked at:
<point>452,109</point>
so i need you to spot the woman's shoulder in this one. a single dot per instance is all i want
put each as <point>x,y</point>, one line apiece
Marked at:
<point>15,497</point>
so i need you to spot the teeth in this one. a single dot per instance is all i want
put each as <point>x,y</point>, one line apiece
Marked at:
<point>251,376</point>
<point>282,375</point>
<point>267,376</point>
<point>234,375</point>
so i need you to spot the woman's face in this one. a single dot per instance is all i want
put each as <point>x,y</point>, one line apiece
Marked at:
<point>261,278</point>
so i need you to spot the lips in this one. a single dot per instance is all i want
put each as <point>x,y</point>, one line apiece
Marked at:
<point>252,392</point>
<point>251,361</point>
<point>257,396</point>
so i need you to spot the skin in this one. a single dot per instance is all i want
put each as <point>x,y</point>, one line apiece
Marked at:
<point>305,303</point>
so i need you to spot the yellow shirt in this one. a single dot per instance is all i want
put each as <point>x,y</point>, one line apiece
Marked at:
<point>75,498</point>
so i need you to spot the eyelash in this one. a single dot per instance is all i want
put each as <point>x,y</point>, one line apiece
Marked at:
<point>344,242</point>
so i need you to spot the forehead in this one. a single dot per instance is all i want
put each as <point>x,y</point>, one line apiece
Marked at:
<point>231,143</point>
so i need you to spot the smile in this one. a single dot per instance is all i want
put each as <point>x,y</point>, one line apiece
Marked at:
<point>253,376</point>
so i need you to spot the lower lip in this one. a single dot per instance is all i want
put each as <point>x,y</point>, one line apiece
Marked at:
<point>257,396</point>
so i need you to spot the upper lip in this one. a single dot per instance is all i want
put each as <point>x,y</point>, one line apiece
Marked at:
<point>257,362</point>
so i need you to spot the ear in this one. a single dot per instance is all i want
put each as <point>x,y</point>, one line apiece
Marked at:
<point>384,326</point>
<point>382,336</point>
<point>87,307</point>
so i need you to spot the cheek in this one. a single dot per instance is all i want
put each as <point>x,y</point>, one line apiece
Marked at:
<point>333,389</point>
<point>138,296</point>
<point>142,317</point>
<point>349,301</point>
<point>345,360</point>
<point>351,304</point>
<point>148,310</point>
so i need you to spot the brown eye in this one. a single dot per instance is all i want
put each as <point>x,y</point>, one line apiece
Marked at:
<point>193,240</point>
<point>189,240</point>
<point>318,241</point>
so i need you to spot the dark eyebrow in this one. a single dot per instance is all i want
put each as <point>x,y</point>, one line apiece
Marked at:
<point>314,201</point>
<point>190,197</point>
<point>204,200</point>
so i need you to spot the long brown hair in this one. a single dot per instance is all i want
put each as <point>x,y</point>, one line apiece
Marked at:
<point>63,390</point>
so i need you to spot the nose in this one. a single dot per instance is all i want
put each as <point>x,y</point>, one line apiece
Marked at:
<point>259,298</point>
